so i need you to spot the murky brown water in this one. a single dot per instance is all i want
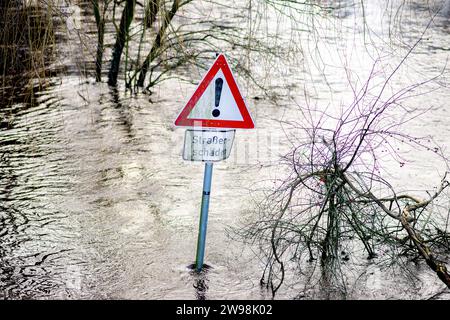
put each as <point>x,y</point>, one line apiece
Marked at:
<point>96,202</point>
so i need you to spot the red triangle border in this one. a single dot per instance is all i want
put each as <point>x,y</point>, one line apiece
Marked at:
<point>246,123</point>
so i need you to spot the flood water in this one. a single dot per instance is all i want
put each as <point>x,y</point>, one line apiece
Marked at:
<point>97,203</point>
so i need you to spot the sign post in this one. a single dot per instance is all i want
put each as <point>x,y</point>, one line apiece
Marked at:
<point>203,216</point>
<point>215,109</point>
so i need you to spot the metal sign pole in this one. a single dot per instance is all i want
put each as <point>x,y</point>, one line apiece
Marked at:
<point>203,216</point>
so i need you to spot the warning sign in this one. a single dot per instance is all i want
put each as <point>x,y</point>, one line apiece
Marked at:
<point>217,101</point>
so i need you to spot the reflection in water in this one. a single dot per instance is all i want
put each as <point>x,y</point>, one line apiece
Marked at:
<point>123,111</point>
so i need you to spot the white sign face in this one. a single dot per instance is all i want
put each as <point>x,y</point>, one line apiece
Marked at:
<point>207,145</point>
<point>217,102</point>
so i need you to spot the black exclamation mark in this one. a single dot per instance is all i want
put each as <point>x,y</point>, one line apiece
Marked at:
<point>219,84</point>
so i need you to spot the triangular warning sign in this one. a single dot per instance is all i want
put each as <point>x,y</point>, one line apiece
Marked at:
<point>217,101</point>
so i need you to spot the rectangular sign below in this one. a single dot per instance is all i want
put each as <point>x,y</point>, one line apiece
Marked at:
<point>207,145</point>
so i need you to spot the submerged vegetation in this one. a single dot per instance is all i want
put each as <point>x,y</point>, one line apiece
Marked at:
<point>26,44</point>
<point>336,206</point>
<point>155,38</point>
